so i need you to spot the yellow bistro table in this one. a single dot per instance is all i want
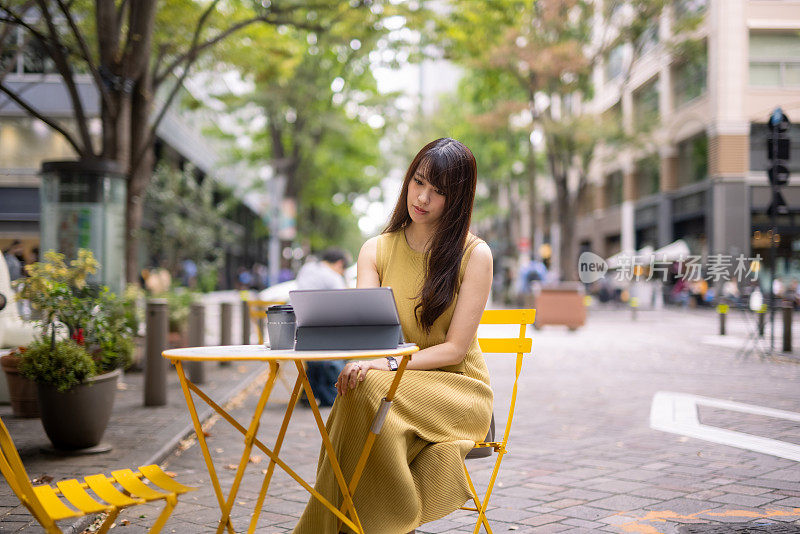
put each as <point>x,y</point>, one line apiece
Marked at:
<point>347,513</point>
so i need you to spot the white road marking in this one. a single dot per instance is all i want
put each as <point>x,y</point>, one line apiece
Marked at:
<point>677,413</point>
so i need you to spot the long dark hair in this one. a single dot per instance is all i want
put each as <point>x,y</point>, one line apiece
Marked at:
<point>450,167</point>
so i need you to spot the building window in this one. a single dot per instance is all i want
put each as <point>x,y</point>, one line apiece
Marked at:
<point>775,59</point>
<point>690,76</point>
<point>645,106</point>
<point>35,59</point>
<point>613,189</point>
<point>648,171</point>
<point>614,61</point>
<point>693,160</point>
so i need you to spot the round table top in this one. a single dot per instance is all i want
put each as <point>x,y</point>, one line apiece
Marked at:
<point>263,353</point>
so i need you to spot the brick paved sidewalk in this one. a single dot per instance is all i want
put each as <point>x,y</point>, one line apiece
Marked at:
<point>582,456</point>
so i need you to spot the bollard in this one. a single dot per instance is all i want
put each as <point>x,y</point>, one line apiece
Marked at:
<point>762,320</point>
<point>722,309</point>
<point>245,323</point>
<point>226,326</point>
<point>634,306</point>
<point>155,367</point>
<point>788,309</point>
<point>197,337</point>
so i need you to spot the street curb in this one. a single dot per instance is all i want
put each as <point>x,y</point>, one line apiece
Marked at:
<point>83,522</point>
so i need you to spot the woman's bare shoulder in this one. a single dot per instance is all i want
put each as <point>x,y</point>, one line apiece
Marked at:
<point>370,246</point>
<point>481,254</point>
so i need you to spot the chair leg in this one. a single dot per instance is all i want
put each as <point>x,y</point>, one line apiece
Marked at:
<point>112,515</point>
<point>171,501</point>
<point>478,506</point>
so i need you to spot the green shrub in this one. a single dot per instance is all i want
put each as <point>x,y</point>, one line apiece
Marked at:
<point>178,304</point>
<point>62,366</point>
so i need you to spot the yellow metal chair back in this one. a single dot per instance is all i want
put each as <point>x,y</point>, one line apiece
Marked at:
<point>46,505</point>
<point>520,346</point>
<point>258,314</point>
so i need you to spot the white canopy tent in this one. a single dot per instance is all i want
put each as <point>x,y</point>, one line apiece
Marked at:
<point>675,251</point>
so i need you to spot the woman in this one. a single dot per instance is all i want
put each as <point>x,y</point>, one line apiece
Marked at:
<point>441,276</point>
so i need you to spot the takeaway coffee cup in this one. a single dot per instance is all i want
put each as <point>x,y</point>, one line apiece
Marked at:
<point>280,326</point>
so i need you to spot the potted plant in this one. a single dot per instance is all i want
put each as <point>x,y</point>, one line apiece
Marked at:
<point>21,390</point>
<point>85,337</point>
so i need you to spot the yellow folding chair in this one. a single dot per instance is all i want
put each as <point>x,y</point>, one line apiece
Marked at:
<point>520,346</point>
<point>46,505</point>
<point>258,314</point>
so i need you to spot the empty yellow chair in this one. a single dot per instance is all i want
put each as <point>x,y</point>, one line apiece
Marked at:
<point>97,493</point>
<point>258,315</point>
<point>520,346</point>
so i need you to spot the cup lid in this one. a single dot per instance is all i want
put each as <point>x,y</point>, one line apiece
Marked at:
<point>280,308</point>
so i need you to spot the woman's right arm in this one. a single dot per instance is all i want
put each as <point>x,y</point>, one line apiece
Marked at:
<point>367,269</point>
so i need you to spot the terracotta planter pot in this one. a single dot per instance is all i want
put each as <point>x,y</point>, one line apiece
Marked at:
<point>24,400</point>
<point>77,419</point>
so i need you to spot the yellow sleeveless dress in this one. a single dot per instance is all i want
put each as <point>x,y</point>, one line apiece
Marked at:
<point>414,473</point>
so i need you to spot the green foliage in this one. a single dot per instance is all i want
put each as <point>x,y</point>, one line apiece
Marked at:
<point>324,115</point>
<point>189,223</point>
<point>97,321</point>
<point>112,332</point>
<point>62,365</point>
<point>179,302</point>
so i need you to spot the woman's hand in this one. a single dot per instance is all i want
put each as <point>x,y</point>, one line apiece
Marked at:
<point>355,372</point>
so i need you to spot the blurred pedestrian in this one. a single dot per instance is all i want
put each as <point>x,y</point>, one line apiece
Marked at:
<point>244,278</point>
<point>189,273</point>
<point>12,256</point>
<point>327,273</point>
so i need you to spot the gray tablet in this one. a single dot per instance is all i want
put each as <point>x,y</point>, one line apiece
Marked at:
<point>345,307</point>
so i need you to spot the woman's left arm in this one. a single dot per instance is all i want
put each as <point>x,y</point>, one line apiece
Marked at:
<point>471,301</point>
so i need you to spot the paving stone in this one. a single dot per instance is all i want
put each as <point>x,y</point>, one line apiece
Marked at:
<point>623,502</point>
<point>542,519</point>
<point>563,503</point>
<point>582,494</point>
<point>744,490</point>
<point>585,512</point>
<point>743,500</point>
<point>575,522</point>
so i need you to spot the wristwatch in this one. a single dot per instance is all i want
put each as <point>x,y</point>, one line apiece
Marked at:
<point>392,363</point>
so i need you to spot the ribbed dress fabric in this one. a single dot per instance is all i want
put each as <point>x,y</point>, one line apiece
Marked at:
<point>414,473</point>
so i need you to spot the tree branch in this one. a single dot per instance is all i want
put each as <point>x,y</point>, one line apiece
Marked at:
<point>84,48</point>
<point>50,122</point>
<point>65,69</point>
<point>16,19</point>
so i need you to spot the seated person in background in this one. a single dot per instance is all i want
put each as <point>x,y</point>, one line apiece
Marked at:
<point>327,273</point>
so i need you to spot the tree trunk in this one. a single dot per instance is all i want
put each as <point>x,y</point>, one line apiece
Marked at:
<point>140,173</point>
<point>533,200</point>
<point>566,220</point>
